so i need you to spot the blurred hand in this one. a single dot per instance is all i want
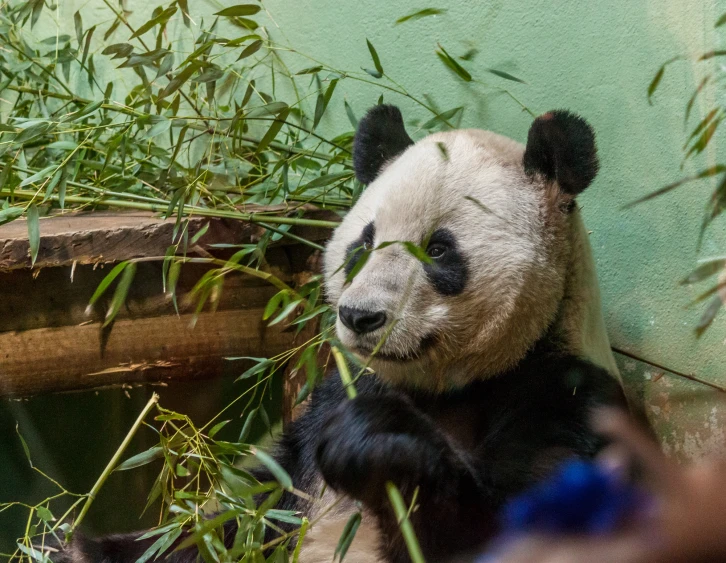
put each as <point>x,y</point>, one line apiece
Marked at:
<point>686,524</point>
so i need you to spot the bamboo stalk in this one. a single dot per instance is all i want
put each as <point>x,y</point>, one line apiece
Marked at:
<point>344,373</point>
<point>187,209</point>
<point>114,462</point>
<point>409,536</point>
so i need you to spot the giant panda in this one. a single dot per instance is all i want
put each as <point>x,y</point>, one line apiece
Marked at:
<point>490,354</point>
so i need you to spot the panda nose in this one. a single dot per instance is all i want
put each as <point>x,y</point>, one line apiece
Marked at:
<point>360,321</point>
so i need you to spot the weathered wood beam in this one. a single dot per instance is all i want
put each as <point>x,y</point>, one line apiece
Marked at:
<point>139,350</point>
<point>48,342</point>
<point>104,237</point>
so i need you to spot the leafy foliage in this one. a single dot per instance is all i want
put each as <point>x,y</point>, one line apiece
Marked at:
<point>700,137</point>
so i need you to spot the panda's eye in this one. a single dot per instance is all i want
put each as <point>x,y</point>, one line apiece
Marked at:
<point>367,245</point>
<point>436,250</point>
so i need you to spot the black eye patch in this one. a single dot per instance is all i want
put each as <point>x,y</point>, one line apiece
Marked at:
<point>449,271</point>
<point>355,248</point>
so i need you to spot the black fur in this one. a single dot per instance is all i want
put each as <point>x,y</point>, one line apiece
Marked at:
<point>381,136</point>
<point>467,450</point>
<point>450,272</point>
<point>355,248</point>
<point>561,147</point>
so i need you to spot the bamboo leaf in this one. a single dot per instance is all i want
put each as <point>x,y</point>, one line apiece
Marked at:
<point>702,142</point>
<point>273,130</point>
<point>704,271</point>
<point>118,50</point>
<point>702,125</point>
<point>360,261</point>
<point>261,365</point>
<point>347,536</point>
<point>310,70</point>
<point>161,19</point>
<point>78,23</point>
<point>269,109</point>
<point>216,428</point>
<point>143,458</point>
<point>700,87</point>
<point>286,311</point>
<point>239,10</point>
<point>351,116</point>
<point>275,468</point>
<point>83,112</point>
<point>105,282</point>
<point>87,44</point>
<point>713,54</point>
<point>273,304</point>
<point>251,49</point>
<point>161,545</point>
<point>721,21</point>
<point>447,59</point>
<point>184,7</point>
<point>31,552</point>
<point>324,180</point>
<point>24,444</point>
<point>37,9</point>
<point>122,290</point>
<point>33,232</point>
<point>38,176</point>
<point>417,252</point>
<point>247,426</point>
<point>210,74</point>
<point>10,214</point>
<point>378,73</point>
<point>442,117</point>
<point>287,516</point>
<point>505,75</point>
<point>714,306</point>
<point>181,77</point>
<point>44,513</point>
<point>420,14</point>
<point>653,86</point>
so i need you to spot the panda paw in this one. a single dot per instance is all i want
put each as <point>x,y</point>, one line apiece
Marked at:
<point>370,440</point>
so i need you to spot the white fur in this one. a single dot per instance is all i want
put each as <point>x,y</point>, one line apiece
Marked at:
<point>512,231</point>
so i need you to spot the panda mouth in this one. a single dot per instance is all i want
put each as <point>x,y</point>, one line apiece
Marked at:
<point>424,345</point>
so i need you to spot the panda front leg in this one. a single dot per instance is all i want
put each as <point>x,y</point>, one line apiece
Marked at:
<point>371,440</point>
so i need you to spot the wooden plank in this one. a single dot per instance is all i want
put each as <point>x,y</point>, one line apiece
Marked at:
<point>138,350</point>
<point>49,342</point>
<point>103,237</point>
<point>51,298</point>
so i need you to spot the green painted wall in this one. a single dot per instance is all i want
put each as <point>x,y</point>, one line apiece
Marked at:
<point>596,58</point>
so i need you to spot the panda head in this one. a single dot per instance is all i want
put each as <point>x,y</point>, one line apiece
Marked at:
<point>495,219</point>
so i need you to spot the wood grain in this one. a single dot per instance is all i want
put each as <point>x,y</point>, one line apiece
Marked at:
<point>103,237</point>
<point>139,350</point>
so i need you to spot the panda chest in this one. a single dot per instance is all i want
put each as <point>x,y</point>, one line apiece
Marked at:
<point>462,420</point>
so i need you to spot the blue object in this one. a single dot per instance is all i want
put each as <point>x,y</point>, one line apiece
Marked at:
<point>580,498</point>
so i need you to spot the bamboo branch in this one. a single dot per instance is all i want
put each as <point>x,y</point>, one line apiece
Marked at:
<point>114,462</point>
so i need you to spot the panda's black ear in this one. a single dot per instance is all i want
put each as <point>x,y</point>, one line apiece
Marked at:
<point>380,138</point>
<point>561,147</point>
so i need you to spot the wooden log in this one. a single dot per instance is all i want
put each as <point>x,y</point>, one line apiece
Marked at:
<point>103,237</point>
<point>139,350</point>
<point>49,343</point>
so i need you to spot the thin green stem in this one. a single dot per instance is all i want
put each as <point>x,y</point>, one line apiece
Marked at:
<point>114,462</point>
<point>409,535</point>
<point>187,210</point>
<point>344,373</point>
